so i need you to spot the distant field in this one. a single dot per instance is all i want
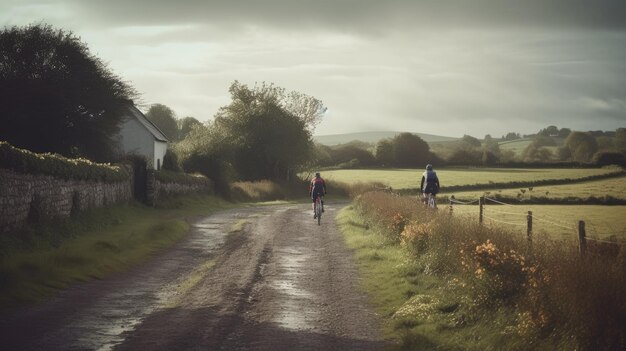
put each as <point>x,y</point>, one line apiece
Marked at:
<point>373,137</point>
<point>615,187</point>
<point>516,145</point>
<point>410,178</point>
<point>557,221</point>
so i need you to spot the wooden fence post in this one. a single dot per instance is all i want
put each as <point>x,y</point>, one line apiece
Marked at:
<point>529,229</point>
<point>450,207</point>
<point>582,241</point>
<point>481,203</point>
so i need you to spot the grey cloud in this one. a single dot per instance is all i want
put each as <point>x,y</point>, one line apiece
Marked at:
<point>362,15</point>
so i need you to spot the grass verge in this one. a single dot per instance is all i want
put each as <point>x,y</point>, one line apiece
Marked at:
<point>419,311</point>
<point>442,282</point>
<point>44,258</point>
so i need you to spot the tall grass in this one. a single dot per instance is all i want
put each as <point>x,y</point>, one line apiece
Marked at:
<point>543,293</point>
<point>263,190</point>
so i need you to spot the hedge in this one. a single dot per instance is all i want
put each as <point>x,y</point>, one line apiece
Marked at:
<point>55,165</point>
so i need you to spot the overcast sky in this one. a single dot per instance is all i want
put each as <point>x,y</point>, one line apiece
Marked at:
<point>447,67</point>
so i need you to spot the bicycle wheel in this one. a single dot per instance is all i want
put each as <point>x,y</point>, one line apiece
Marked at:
<point>318,211</point>
<point>431,202</point>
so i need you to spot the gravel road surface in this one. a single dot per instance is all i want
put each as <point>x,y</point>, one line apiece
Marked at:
<point>258,278</point>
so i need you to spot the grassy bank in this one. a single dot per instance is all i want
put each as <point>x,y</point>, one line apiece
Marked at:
<point>442,282</point>
<point>44,258</point>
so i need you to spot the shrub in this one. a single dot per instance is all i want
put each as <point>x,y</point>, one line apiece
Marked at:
<point>416,235</point>
<point>263,190</point>
<point>170,161</point>
<point>496,274</point>
<point>555,297</point>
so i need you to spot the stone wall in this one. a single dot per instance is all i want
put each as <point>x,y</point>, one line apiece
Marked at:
<point>158,189</point>
<point>28,197</point>
<point>170,189</point>
<point>31,198</point>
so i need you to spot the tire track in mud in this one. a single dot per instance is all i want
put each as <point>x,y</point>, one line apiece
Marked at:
<point>281,283</point>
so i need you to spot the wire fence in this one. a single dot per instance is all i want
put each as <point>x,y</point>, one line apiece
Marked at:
<point>497,212</point>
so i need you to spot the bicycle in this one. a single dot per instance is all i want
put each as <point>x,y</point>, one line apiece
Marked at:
<point>318,209</point>
<point>430,201</point>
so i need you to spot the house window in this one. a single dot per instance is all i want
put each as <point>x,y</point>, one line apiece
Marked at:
<point>158,164</point>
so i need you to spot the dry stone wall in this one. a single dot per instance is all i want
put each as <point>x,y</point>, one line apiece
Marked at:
<point>28,197</point>
<point>34,197</point>
<point>158,189</point>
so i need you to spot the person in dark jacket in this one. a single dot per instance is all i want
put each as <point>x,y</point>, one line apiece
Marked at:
<point>430,182</point>
<point>317,187</point>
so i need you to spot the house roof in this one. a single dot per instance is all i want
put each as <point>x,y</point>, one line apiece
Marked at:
<point>151,127</point>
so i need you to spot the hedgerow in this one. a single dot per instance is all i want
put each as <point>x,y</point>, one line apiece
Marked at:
<point>24,161</point>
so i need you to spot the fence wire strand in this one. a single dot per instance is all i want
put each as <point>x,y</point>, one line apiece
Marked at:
<point>544,218</point>
<point>509,213</point>
<point>606,241</point>
<point>553,223</point>
<point>504,222</point>
<point>498,202</point>
<point>463,203</point>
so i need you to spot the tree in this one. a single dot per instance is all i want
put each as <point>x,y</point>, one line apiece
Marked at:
<point>344,154</point>
<point>564,132</point>
<point>620,139</point>
<point>470,141</point>
<point>409,150</point>
<point>185,126</point>
<point>464,156</point>
<point>542,140</point>
<point>307,108</point>
<point>534,153</point>
<point>489,157</point>
<point>384,152</point>
<point>582,146</point>
<point>205,151</point>
<point>267,140</point>
<point>605,158</point>
<point>57,96</point>
<point>165,119</point>
<point>512,136</point>
<point>549,131</point>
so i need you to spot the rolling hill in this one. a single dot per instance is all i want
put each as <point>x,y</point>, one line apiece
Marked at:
<point>373,137</point>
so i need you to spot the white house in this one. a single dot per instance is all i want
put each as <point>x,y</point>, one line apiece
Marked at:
<point>139,136</point>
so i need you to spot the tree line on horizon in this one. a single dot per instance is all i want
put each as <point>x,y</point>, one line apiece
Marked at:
<point>548,146</point>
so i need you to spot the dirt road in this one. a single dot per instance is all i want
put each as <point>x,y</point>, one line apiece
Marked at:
<point>262,278</point>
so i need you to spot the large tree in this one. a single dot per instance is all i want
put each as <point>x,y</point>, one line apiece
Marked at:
<point>267,140</point>
<point>164,118</point>
<point>384,152</point>
<point>186,125</point>
<point>582,146</point>
<point>409,150</point>
<point>57,96</point>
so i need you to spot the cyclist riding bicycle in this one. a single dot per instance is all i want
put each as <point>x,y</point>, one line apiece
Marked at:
<point>317,187</point>
<point>430,182</point>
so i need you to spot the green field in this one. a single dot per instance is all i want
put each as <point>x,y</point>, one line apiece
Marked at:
<point>410,178</point>
<point>557,221</point>
<point>615,187</point>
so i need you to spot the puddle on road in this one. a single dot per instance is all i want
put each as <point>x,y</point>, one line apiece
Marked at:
<point>295,311</point>
<point>103,325</point>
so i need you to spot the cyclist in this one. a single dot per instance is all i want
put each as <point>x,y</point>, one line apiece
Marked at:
<point>317,187</point>
<point>430,182</point>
